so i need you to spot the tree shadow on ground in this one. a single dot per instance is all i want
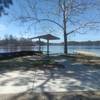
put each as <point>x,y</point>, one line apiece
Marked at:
<point>86,76</point>
<point>18,64</point>
<point>55,96</point>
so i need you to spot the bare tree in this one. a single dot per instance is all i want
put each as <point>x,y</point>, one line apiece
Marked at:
<point>67,14</point>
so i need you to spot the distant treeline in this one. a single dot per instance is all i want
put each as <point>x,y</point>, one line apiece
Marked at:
<point>13,41</point>
<point>10,44</point>
<point>85,43</point>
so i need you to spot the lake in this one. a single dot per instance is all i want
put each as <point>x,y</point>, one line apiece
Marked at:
<point>73,49</point>
<point>58,49</point>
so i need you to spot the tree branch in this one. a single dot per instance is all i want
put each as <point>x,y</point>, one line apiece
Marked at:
<point>50,20</point>
<point>39,20</point>
<point>88,24</point>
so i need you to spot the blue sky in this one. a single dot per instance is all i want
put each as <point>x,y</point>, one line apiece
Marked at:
<point>10,27</point>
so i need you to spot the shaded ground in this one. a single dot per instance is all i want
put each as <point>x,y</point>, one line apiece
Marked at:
<point>21,75</point>
<point>51,96</point>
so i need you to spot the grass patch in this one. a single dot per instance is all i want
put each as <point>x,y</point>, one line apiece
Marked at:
<point>43,62</point>
<point>23,63</point>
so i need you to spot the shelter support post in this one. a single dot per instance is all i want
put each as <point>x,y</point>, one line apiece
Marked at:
<point>39,44</point>
<point>47,47</point>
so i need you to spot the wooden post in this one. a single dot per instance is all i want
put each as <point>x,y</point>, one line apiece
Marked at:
<point>47,47</point>
<point>39,45</point>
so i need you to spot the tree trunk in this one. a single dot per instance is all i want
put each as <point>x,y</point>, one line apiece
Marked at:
<point>65,33</point>
<point>65,43</point>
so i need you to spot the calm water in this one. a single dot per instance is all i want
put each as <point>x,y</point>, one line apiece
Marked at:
<point>56,49</point>
<point>73,49</point>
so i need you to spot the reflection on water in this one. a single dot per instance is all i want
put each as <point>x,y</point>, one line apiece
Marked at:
<point>53,49</point>
<point>15,48</point>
